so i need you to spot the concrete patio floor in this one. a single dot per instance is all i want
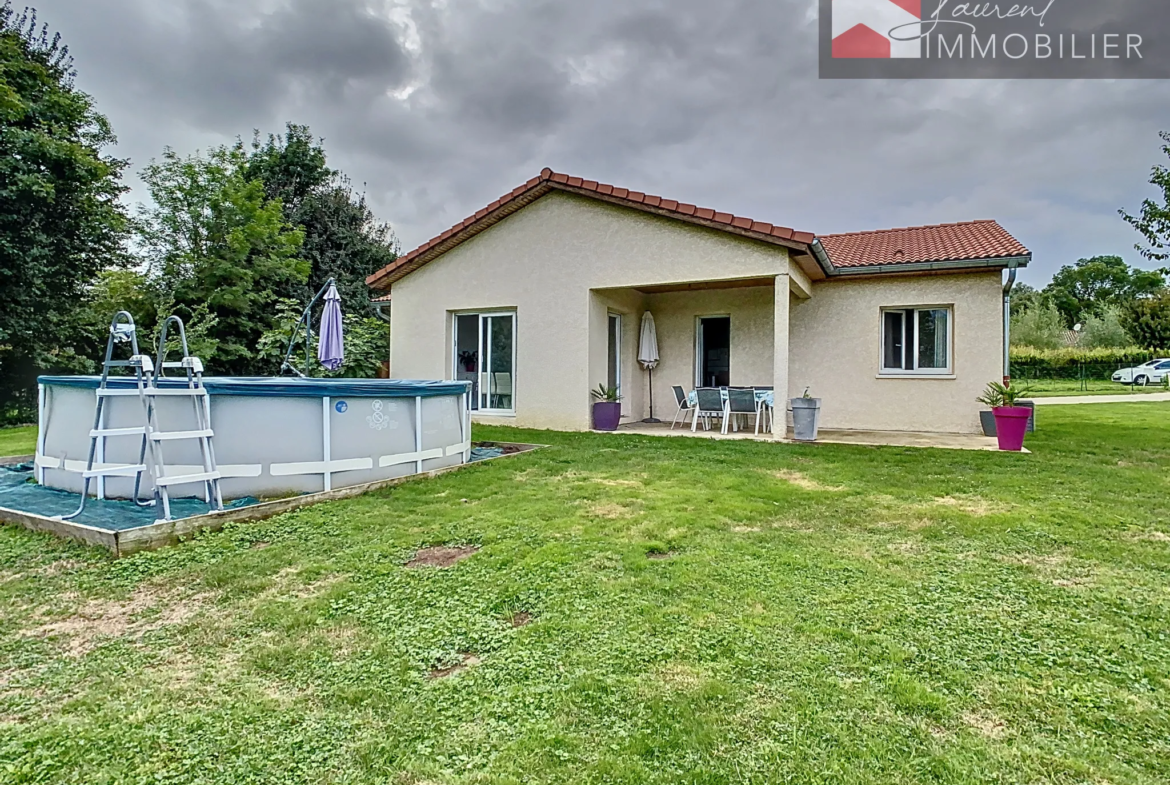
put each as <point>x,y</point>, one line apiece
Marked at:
<point>946,441</point>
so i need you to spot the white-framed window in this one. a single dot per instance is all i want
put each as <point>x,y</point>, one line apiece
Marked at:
<point>485,355</point>
<point>917,341</point>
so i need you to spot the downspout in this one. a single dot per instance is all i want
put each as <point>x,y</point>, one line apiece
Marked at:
<point>1007,323</point>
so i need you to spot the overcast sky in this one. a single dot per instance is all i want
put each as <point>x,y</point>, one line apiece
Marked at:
<point>440,107</point>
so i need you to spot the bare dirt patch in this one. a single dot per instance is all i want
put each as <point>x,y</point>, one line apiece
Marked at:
<point>1151,536</point>
<point>678,676</point>
<point>610,510</point>
<point>746,529</point>
<point>611,483</point>
<point>260,545</point>
<point>99,620</point>
<point>972,505</point>
<point>661,555</point>
<point>907,548</point>
<point>520,619</point>
<point>985,724</point>
<point>441,556</point>
<point>466,661</point>
<point>804,482</point>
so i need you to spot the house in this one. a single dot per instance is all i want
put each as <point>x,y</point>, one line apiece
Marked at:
<point>537,299</point>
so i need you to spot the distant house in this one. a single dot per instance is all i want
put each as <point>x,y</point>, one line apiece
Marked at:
<point>537,299</point>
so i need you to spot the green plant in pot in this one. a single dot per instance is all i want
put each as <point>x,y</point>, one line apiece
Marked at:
<point>607,408</point>
<point>1011,421</point>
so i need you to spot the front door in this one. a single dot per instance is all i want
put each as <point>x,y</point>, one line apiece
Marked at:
<point>713,364</point>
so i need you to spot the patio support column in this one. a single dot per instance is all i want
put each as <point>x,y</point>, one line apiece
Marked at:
<point>780,358</point>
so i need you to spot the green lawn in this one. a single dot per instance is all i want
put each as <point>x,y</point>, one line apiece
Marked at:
<point>18,441</point>
<point>1041,388</point>
<point>824,614</point>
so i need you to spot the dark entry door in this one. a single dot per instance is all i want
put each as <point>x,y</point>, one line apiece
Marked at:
<point>715,351</point>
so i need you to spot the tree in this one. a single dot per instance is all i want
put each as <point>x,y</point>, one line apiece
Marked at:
<point>1039,327</point>
<point>1025,298</point>
<point>218,248</point>
<point>1092,284</point>
<point>1104,330</point>
<point>1147,320</point>
<point>343,240</point>
<point>60,217</point>
<point>1154,221</point>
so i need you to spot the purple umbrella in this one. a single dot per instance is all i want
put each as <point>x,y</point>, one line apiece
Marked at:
<point>331,347</point>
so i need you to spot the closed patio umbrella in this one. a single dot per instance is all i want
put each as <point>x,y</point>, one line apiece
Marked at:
<point>648,356</point>
<point>331,347</point>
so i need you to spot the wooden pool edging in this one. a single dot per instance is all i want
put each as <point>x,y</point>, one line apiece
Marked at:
<point>164,533</point>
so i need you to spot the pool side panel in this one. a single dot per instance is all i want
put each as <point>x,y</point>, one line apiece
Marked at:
<point>270,434</point>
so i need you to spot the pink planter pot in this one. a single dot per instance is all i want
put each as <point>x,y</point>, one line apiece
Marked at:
<point>1011,423</point>
<point>606,416</point>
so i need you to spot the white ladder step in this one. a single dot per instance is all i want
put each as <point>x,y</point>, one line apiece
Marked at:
<point>184,479</point>
<point>117,432</point>
<point>171,436</point>
<point>120,471</point>
<point>177,392</point>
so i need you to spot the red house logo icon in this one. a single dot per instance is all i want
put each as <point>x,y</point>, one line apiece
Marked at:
<point>872,28</point>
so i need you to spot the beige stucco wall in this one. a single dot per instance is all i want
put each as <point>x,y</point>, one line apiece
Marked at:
<point>835,350</point>
<point>545,262</point>
<point>565,262</point>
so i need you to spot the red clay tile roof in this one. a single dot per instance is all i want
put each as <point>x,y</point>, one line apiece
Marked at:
<point>549,181</point>
<point>953,242</point>
<point>972,241</point>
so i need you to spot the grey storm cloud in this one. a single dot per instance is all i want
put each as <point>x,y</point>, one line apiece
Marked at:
<point>439,107</point>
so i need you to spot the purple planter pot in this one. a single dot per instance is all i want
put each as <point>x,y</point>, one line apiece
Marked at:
<point>1011,423</point>
<point>606,416</point>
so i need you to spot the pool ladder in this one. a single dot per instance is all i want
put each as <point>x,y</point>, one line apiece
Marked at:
<point>150,459</point>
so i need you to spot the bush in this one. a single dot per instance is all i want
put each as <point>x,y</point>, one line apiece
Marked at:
<point>1030,363</point>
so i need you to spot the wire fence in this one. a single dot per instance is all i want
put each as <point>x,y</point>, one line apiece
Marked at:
<point>1086,379</point>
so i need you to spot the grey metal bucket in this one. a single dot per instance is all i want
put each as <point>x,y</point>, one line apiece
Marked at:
<point>806,419</point>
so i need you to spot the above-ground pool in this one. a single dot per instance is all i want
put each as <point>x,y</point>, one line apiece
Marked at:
<point>273,437</point>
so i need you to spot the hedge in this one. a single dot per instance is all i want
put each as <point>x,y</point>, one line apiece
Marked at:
<point>1028,363</point>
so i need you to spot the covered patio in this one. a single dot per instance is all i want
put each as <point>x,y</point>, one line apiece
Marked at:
<point>721,333</point>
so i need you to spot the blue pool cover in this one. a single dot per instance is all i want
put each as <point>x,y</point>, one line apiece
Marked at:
<point>284,388</point>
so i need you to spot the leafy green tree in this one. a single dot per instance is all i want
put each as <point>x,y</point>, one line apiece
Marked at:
<point>1147,320</point>
<point>1024,298</point>
<point>1039,327</point>
<point>1154,220</point>
<point>1104,330</point>
<point>343,240</point>
<point>218,246</point>
<point>366,341</point>
<point>60,217</point>
<point>1091,284</point>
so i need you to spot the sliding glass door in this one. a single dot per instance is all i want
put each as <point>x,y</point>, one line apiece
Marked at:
<point>485,355</point>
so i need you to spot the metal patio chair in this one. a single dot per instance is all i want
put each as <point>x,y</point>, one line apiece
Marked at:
<point>684,407</point>
<point>741,403</point>
<point>709,404</point>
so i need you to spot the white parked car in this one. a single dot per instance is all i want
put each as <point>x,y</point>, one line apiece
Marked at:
<point>1153,372</point>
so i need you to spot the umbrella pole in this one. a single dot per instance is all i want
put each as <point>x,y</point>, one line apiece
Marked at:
<point>651,420</point>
